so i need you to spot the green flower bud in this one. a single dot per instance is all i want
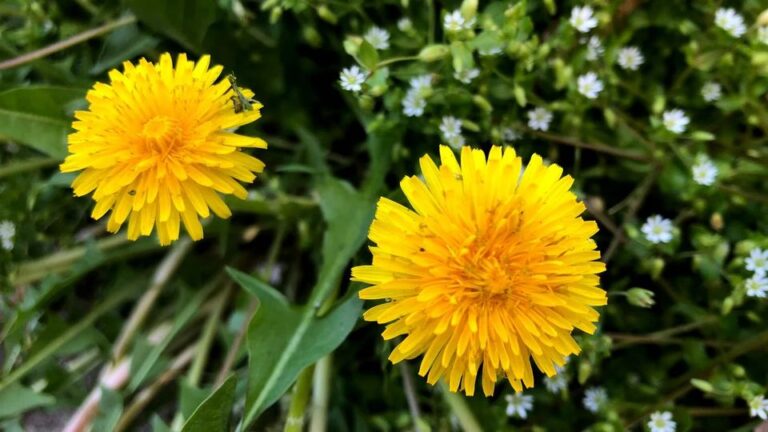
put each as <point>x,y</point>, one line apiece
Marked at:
<point>311,36</point>
<point>762,19</point>
<point>326,14</point>
<point>482,103</point>
<point>702,385</point>
<point>520,96</point>
<point>744,247</point>
<point>610,117</point>
<point>352,45</point>
<point>585,370</point>
<point>432,53</point>
<point>716,221</point>
<point>469,9</point>
<point>366,102</point>
<point>640,297</point>
<point>657,266</point>
<point>727,306</point>
<point>275,15</point>
<point>378,90</point>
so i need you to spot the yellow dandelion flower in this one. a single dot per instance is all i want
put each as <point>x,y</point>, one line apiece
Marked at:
<point>491,268</point>
<point>155,147</point>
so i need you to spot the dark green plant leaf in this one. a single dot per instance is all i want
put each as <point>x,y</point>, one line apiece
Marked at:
<point>110,410</point>
<point>213,414</point>
<point>190,397</point>
<point>185,21</point>
<point>121,45</point>
<point>367,56</point>
<point>15,400</point>
<point>39,116</point>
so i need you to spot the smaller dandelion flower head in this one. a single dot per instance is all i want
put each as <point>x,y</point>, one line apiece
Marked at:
<point>453,22</point>
<point>657,229</point>
<point>762,34</point>
<point>352,79</point>
<point>630,58</point>
<point>509,134</point>
<point>730,21</point>
<point>594,399</point>
<point>7,234</point>
<point>539,118</point>
<point>711,91</point>
<point>704,171</point>
<point>589,85</point>
<point>378,37</point>
<point>450,127</point>
<point>583,18</point>
<point>467,75</point>
<point>413,104</point>
<point>662,422</point>
<point>594,48</point>
<point>757,261</point>
<point>758,407</point>
<point>675,120</point>
<point>518,405</point>
<point>404,24</point>
<point>756,286</point>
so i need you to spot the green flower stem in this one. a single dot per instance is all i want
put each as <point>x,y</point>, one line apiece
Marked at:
<point>460,409</point>
<point>598,147</point>
<point>160,279</point>
<point>27,165</point>
<point>410,395</point>
<point>321,394</point>
<point>295,420</point>
<point>392,60</point>
<point>67,43</point>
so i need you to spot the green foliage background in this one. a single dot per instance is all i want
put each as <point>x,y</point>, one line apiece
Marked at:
<point>279,267</point>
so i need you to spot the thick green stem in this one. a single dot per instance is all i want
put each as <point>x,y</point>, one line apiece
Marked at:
<point>321,394</point>
<point>460,409</point>
<point>295,420</point>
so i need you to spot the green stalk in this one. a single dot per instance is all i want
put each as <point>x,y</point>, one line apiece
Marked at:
<point>321,394</point>
<point>27,165</point>
<point>295,420</point>
<point>460,409</point>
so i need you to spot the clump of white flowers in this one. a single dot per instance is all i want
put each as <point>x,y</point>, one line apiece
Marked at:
<point>518,405</point>
<point>7,234</point>
<point>730,21</point>
<point>415,100</point>
<point>352,79</point>
<point>378,37</point>
<point>675,120</point>
<point>594,399</point>
<point>704,171</point>
<point>467,75</point>
<point>756,286</point>
<point>711,91</point>
<point>657,229</point>
<point>589,85</point>
<point>454,22</point>
<point>583,18</point>
<point>594,48</point>
<point>758,407</point>
<point>450,129</point>
<point>539,118</point>
<point>757,261</point>
<point>630,58</point>
<point>662,422</point>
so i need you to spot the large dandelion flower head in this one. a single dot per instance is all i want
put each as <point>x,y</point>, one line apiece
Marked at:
<point>155,146</point>
<point>493,267</point>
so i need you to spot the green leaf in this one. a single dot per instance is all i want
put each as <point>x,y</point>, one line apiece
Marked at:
<point>213,414</point>
<point>190,397</point>
<point>39,116</point>
<point>185,21</point>
<point>122,44</point>
<point>110,410</point>
<point>367,56</point>
<point>158,425</point>
<point>462,57</point>
<point>15,400</point>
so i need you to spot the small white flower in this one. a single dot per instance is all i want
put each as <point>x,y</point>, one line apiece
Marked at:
<point>518,405</point>
<point>757,261</point>
<point>675,120</point>
<point>557,383</point>
<point>594,48</point>
<point>378,37</point>
<point>589,85</point>
<point>730,20</point>
<point>662,422</point>
<point>757,286</point>
<point>421,82</point>
<point>7,233</point>
<point>509,135</point>
<point>539,118</point>
<point>595,398</point>
<point>704,172</point>
<point>630,58</point>
<point>453,22</point>
<point>404,24</point>
<point>467,75</point>
<point>583,18</point>
<point>457,142</point>
<point>762,34</point>
<point>758,407</point>
<point>711,91</point>
<point>657,229</point>
<point>450,127</point>
<point>352,79</point>
<point>413,103</point>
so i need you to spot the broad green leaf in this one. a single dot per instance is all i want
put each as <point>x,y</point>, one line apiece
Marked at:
<point>15,400</point>
<point>367,56</point>
<point>110,410</point>
<point>213,414</point>
<point>39,116</point>
<point>122,44</point>
<point>185,21</point>
<point>190,397</point>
